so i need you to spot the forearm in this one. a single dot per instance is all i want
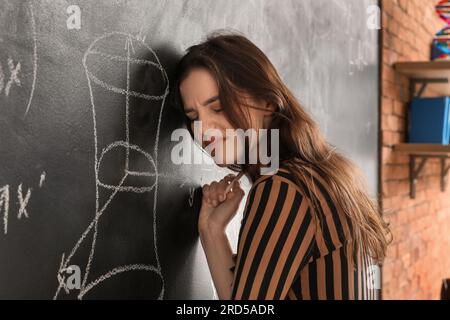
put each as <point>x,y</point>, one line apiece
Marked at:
<point>220,259</point>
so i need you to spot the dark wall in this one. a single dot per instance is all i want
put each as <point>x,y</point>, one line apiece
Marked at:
<point>85,133</point>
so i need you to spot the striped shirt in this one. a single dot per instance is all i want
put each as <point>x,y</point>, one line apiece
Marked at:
<point>284,254</point>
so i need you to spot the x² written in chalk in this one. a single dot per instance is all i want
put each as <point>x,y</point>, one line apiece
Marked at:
<point>23,198</point>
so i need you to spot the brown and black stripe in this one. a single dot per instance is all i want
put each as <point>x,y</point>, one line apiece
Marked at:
<point>284,252</point>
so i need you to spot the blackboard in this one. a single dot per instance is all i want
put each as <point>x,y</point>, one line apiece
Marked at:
<point>85,133</point>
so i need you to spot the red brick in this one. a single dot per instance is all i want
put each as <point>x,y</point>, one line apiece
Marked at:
<point>418,225</point>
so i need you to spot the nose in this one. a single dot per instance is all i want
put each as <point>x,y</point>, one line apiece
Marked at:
<point>204,130</point>
<point>203,122</point>
<point>206,133</point>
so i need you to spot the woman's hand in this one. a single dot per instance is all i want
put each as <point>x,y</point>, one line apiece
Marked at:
<point>218,208</point>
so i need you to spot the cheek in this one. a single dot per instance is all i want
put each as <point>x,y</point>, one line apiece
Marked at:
<point>224,122</point>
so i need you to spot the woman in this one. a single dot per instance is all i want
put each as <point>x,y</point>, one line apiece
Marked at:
<point>310,231</point>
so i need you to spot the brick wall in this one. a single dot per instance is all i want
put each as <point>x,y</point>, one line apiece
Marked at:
<point>419,258</point>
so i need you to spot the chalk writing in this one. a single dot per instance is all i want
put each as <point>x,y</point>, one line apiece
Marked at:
<point>14,69</point>
<point>23,200</point>
<point>4,206</point>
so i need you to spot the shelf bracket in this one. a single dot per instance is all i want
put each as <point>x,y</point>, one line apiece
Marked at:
<point>414,172</point>
<point>415,168</point>
<point>424,82</point>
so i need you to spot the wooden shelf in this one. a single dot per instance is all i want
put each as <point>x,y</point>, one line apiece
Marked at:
<point>427,72</point>
<point>423,152</point>
<point>423,149</point>
<point>430,69</point>
<point>424,73</point>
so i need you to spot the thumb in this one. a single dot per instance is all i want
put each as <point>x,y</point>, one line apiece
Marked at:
<point>236,193</point>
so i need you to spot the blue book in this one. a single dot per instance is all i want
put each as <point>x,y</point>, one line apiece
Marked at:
<point>430,120</point>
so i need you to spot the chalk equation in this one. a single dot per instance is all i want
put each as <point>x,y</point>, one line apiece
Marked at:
<point>23,198</point>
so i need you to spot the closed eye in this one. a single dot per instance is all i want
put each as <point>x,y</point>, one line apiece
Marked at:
<point>217,108</point>
<point>191,114</point>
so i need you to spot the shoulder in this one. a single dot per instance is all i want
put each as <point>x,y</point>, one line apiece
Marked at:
<point>310,184</point>
<point>282,179</point>
<point>319,203</point>
<point>278,193</point>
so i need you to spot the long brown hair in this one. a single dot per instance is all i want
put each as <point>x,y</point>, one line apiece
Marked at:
<point>239,66</point>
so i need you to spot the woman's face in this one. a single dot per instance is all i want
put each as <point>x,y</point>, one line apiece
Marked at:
<point>200,96</point>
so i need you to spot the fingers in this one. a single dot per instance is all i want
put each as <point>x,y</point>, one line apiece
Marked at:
<point>214,193</point>
<point>205,190</point>
<point>236,191</point>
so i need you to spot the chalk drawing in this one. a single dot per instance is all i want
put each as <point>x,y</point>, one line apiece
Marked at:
<point>15,67</point>
<point>42,179</point>
<point>358,55</point>
<point>13,75</point>
<point>23,202</point>
<point>186,180</point>
<point>35,58</point>
<point>346,11</point>
<point>4,206</point>
<point>125,56</point>
<point>140,36</point>
<point>61,279</point>
<point>2,78</point>
<point>359,49</point>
